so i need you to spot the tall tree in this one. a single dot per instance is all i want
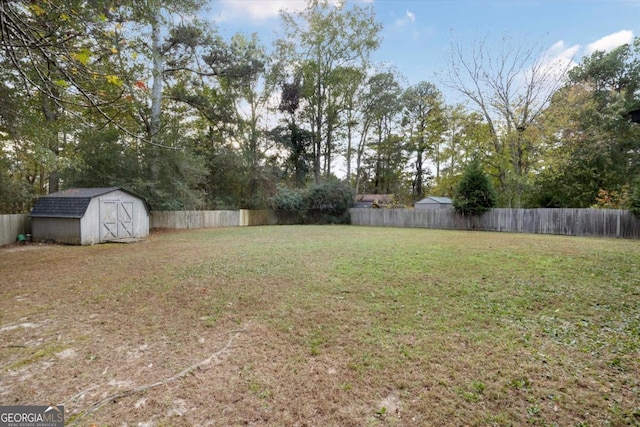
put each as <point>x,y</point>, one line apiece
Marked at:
<point>388,147</point>
<point>296,140</point>
<point>53,46</point>
<point>510,86</point>
<point>245,81</point>
<point>48,47</point>
<point>592,146</point>
<point>423,111</point>
<point>318,40</point>
<point>350,89</point>
<point>466,136</point>
<point>88,63</point>
<point>380,102</point>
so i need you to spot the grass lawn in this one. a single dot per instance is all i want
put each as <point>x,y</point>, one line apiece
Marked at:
<point>325,326</point>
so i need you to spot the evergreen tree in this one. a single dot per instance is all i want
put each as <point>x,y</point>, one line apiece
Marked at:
<point>474,193</point>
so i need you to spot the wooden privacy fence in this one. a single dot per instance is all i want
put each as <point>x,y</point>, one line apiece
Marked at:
<point>209,219</point>
<point>570,222</point>
<point>12,225</point>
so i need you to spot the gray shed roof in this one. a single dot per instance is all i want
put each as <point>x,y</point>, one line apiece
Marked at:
<point>434,199</point>
<point>71,203</point>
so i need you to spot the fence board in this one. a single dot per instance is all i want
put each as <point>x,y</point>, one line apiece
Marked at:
<point>570,222</point>
<point>12,225</point>
<point>195,219</point>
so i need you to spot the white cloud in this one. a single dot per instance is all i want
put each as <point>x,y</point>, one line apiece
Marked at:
<point>257,9</point>
<point>561,55</point>
<point>411,16</point>
<point>610,42</point>
<point>547,72</point>
<point>260,10</point>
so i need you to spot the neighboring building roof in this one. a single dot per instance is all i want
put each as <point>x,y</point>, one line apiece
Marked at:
<point>71,203</point>
<point>374,197</point>
<point>369,200</point>
<point>433,199</point>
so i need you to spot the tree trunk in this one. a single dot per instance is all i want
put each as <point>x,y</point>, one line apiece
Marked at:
<point>348,153</point>
<point>419,173</point>
<point>156,94</point>
<point>51,113</point>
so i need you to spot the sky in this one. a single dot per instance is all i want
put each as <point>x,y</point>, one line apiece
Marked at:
<point>417,34</point>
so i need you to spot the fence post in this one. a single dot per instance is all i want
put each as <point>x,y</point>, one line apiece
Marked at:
<point>243,218</point>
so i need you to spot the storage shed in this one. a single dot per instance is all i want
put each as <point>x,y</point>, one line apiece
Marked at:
<point>85,216</point>
<point>433,202</point>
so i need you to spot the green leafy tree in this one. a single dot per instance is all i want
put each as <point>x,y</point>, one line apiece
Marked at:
<point>318,41</point>
<point>591,147</point>
<point>510,85</point>
<point>102,160</point>
<point>15,195</point>
<point>423,111</point>
<point>348,88</point>
<point>62,47</point>
<point>474,193</point>
<point>252,86</point>
<point>326,203</point>
<point>387,166</point>
<point>296,140</point>
<point>87,63</point>
<point>380,149</point>
<point>466,136</point>
<point>329,202</point>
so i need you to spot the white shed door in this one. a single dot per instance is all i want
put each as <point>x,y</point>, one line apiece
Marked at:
<point>116,219</point>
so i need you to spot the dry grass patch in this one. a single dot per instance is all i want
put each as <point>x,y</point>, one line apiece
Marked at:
<point>332,326</point>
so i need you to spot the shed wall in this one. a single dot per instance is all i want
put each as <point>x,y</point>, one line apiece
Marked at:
<point>92,231</point>
<point>61,230</point>
<point>89,229</point>
<point>433,205</point>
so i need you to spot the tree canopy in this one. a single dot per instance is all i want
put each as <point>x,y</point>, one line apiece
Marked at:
<point>146,96</point>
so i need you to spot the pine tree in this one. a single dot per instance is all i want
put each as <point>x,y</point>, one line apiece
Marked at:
<point>474,193</point>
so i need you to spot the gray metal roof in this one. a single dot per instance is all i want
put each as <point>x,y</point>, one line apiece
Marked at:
<point>71,203</point>
<point>434,199</point>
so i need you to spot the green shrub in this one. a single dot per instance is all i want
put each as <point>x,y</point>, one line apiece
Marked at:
<point>325,203</point>
<point>330,200</point>
<point>474,193</point>
<point>288,200</point>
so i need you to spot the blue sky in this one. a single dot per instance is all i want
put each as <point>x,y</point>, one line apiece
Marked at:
<point>417,33</point>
